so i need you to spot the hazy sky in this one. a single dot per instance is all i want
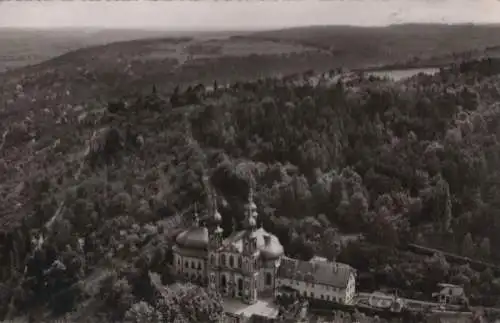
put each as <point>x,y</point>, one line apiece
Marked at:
<point>209,14</point>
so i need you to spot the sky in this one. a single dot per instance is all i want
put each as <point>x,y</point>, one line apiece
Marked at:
<point>246,14</point>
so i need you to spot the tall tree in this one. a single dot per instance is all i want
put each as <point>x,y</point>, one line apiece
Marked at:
<point>468,247</point>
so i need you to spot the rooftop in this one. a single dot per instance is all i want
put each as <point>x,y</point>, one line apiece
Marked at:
<point>267,243</point>
<point>320,272</point>
<point>263,307</point>
<point>318,259</point>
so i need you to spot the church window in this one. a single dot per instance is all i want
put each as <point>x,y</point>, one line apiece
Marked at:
<point>231,261</point>
<point>240,262</point>
<point>223,281</point>
<point>240,286</point>
<point>223,259</point>
<point>212,260</point>
<point>269,279</point>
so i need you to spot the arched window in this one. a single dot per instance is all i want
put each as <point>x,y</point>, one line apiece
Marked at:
<point>223,259</point>
<point>186,264</point>
<point>199,266</point>
<point>212,260</point>
<point>231,261</point>
<point>240,262</point>
<point>223,281</point>
<point>240,286</point>
<point>193,265</point>
<point>240,283</point>
<point>269,279</point>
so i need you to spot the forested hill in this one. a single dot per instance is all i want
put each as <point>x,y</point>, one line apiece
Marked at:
<point>405,44</point>
<point>352,170</point>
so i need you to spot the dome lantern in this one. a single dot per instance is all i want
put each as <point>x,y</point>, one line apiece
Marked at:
<point>216,216</point>
<point>196,217</point>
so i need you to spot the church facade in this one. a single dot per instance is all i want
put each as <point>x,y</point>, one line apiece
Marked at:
<point>245,266</point>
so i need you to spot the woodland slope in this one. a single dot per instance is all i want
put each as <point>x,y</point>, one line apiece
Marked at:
<point>93,172</point>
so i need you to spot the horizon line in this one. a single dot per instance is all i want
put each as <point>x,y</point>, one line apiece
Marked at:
<point>244,29</point>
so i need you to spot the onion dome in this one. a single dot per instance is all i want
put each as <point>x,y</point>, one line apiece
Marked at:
<point>194,238</point>
<point>196,216</point>
<point>217,217</point>
<point>251,212</point>
<point>250,222</point>
<point>272,248</point>
<point>250,206</point>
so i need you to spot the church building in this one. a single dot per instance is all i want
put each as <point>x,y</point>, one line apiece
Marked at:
<point>247,265</point>
<point>242,266</point>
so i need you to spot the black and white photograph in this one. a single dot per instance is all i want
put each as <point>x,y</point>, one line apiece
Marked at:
<point>250,161</point>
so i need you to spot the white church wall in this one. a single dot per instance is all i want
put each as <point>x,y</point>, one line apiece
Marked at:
<point>317,291</point>
<point>190,266</point>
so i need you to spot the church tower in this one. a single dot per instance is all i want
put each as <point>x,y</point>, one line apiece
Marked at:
<point>215,238</point>
<point>250,224</point>
<point>250,257</point>
<point>215,231</point>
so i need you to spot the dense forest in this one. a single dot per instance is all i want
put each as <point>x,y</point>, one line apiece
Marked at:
<point>351,169</point>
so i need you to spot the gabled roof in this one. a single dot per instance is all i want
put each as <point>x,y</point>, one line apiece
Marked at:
<point>325,273</point>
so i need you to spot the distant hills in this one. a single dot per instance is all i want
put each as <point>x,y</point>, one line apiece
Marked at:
<point>349,45</point>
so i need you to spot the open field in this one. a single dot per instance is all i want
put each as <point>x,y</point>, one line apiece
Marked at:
<point>20,47</point>
<point>407,43</point>
<point>325,46</point>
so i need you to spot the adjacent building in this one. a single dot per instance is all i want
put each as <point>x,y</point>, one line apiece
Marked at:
<point>450,294</point>
<point>318,279</point>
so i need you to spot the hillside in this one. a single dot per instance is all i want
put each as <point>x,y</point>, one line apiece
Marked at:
<point>96,163</point>
<point>21,47</point>
<point>425,44</point>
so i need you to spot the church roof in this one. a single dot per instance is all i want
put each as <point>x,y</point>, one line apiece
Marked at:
<point>193,238</point>
<point>324,273</point>
<point>267,243</point>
